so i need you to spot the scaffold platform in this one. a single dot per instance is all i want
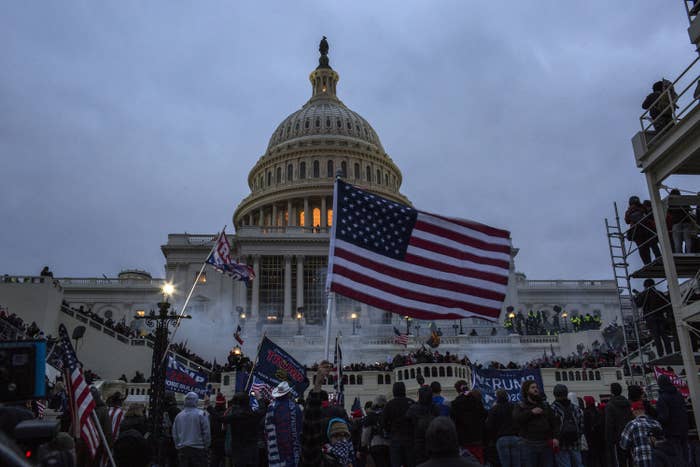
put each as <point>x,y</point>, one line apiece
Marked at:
<point>687,266</point>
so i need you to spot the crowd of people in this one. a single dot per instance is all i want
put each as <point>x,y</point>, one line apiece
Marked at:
<point>544,322</point>
<point>277,429</point>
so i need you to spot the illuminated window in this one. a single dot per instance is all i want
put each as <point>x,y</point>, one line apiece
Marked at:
<point>316,217</point>
<point>330,217</point>
<point>301,218</point>
<point>286,218</point>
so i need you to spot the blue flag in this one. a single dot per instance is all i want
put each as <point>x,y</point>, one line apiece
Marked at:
<point>180,378</point>
<point>489,381</point>
<point>274,365</point>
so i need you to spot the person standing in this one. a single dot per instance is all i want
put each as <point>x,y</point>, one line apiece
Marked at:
<point>438,400</point>
<point>442,445</point>
<point>654,305</point>
<point>469,415</point>
<point>283,423</point>
<point>242,429</point>
<point>538,427</point>
<point>374,438</point>
<point>638,231</point>
<point>570,429</point>
<point>218,433</point>
<point>594,429</point>
<point>617,415</point>
<point>670,409</point>
<point>420,416</point>
<point>638,436</point>
<point>500,424</point>
<point>191,434</point>
<point>395,422</point>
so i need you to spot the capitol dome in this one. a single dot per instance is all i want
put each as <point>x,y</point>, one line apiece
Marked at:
<point>306,152</point>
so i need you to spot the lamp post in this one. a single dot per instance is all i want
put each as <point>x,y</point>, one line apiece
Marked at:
<point>408,325</point>
<point>299,318</point>
<point>461,329</point>
<point>563,317</point>
<point>162,319</point>
<point>455,327</point>
<point>353,317</point>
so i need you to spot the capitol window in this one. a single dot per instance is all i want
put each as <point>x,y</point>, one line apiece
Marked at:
<point>328,122</point>
<point>316,217</point>
<point>330,218</point>
<point>330,168</point>
<point>338,123</point>
<point>302,170</point>
<point>349,125</point>
<point>368,174</point>
<point>290,172</point>
<point>318,122</point>
<point>306,124</point>
<point>344,168</point>
<point>357,171</point>
<point>316,169</point>
<point>269,178</point>
<point>379,176</point>
<point>279,175</point>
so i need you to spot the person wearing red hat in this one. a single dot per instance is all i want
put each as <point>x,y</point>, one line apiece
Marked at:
<point>638,436</point>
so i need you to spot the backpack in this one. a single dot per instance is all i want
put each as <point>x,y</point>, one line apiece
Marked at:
<point>568,433</point>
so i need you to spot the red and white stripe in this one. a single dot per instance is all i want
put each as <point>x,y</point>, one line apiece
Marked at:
<point>84,405</point>
<point>452,269</point>
<point>401,339</point>
<point>115,415</point>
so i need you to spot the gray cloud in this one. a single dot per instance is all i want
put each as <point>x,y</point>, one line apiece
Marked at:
<point>120,123</point>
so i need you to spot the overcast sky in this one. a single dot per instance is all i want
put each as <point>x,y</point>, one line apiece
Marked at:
<point>121,122</point>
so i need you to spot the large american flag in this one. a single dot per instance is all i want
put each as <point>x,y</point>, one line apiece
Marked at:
<point>81,401</point>
<point>417,264</point>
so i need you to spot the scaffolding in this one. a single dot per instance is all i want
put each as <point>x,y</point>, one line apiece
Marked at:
<point>668,145</point>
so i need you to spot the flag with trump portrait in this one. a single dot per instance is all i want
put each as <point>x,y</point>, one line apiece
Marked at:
<point>426,266</point>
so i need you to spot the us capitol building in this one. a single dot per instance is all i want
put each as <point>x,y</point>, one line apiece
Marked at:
<point>282,230</point>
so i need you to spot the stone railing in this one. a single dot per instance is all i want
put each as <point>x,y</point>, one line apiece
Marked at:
<point>567,284</point>
<point>30,280</point>
<point>98,282</point>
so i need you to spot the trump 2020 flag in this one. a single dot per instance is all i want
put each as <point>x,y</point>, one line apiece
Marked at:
<point>417,264</point>
<point>220,258</point>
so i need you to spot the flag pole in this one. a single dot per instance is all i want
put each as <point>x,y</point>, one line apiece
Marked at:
<point>189,295</point>
<point>96,421</point>
<point>257,354</point>
<point>329,272</point>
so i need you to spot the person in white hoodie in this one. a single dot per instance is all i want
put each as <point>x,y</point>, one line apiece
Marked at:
<point>191,434</point>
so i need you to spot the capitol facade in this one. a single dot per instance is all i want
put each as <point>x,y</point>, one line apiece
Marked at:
<point>282,230</point>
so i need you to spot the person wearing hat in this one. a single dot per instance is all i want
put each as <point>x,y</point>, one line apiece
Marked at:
<point>638,436</point>
<point>374,439</point>
<point>283,423</point>
<point>570,428</point>
<point>218,434</point>
<point>671,413</point>
<point>617,415</point>
<point>338,452</point>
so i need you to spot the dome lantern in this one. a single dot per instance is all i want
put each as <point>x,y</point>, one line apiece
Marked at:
<point>323,78</point>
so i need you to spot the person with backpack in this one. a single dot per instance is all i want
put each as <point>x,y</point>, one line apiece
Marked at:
<point>500,426</point>
<point>420,416</point>
<point>374,439</point>
<point>570,429</point>
<point>538,427</point>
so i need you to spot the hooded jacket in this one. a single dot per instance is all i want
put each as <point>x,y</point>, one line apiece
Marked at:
<point>191,426</point>
<point>420,416</point>
<point>394,418</point>
<point>500,419</point>
<point>469,416</point>
<point>670,409</point>
<point>617,413</point>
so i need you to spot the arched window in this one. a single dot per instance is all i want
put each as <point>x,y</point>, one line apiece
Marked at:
<point>318,122</point>
<point>279,175</point>
<point>386,179</point>
<point>357,171</point>
<point>387,379</point>
<point>427,371</point>
<point>557,376</point>
<point>449,371</point>
<point>442,371</point>
<point>398,376</point>
<point>433,371</point>
<point>584,375</point>
<point>317,170</point>
<point>571,375</point>
<point>590,375</point>
<point>338,123</point>
<point>368,174</point>
<point>290,172</point>
<point>306,124</point>
<point>344,168</point>
<point>564,376</point>
<point>597,375</point>
<point>578,376</point>
<point>405,374</point>
<point>380,379</point>
<point>359,379</point>
<point>379,176</point>
<point>345,379</point>
<point>302,170</point>
<point>329,168</point>
<point>352,379</point>
<point>413,373</point>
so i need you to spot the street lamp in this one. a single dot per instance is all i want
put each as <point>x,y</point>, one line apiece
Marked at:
<point>162,319</point>
<point>408,324</point>
<point>461,329</point>
<point>237,350</point>
<point>353,317</point>
<point>299,317</point>
<point>511,315</point>
<point>563,317</point>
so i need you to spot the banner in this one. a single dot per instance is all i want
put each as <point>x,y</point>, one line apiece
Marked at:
<point>680,383</point>
<point>489,381</point>
<point>179,378</point>
<point>274,365</point>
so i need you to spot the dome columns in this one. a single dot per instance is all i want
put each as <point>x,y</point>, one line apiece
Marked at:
<point>323,83</point>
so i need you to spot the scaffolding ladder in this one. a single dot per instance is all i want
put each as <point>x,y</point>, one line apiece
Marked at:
<point>629,313</point>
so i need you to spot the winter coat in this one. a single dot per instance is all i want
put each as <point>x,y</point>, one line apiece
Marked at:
<point>191,426</point>
<point>394,419</point>
<point>218,433</point>
<point>469,416</point>
<point>420,416</point>
<point>242,424</point>
<point>500,420</point>
<point>594,428</point>
<point>531,427</point>
<point>131,449</point>
<point>134,422</point>
<point>670,407</point>
<point>617,413</point>
<point>312,432</point>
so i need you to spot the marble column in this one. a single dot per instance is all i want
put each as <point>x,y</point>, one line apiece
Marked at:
<point>290,218</point>
<point>307,214</point>
<point>300,281</point>
<point>324,214</point>
<point>288,286</point>
<point>261,221</point>
<point>293,216</point>
<point>250,218</point>
<point>274,215</point>
<point>255,300</point>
